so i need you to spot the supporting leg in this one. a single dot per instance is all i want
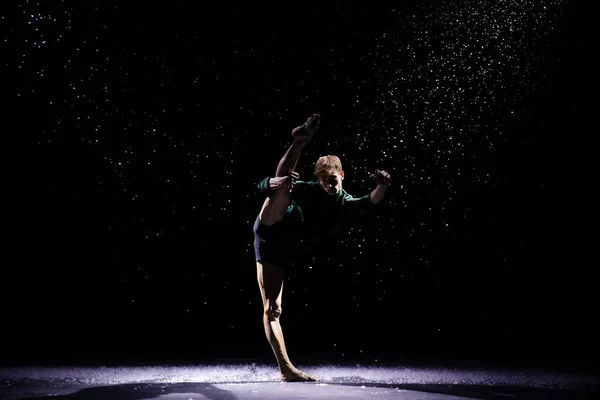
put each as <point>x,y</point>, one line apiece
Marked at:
<point>270,282</point>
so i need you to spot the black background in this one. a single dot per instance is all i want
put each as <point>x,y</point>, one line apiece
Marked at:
<point>143,130</point>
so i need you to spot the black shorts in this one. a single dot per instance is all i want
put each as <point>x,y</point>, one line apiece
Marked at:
<point>276,244</point>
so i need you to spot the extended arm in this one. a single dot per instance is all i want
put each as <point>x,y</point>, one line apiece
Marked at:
<point>378,194</point>
<point>367,203</point>
<point>383,179</point>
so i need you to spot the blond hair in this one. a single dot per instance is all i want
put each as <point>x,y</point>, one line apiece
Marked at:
<point>328,163</point>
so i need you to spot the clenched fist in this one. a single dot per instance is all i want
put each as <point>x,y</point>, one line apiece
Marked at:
<point>381,177</point>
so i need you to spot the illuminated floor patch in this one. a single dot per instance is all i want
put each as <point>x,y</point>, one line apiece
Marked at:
<point>228,382</point>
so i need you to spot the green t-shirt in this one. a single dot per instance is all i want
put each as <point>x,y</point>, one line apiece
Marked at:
<point>313,214</point>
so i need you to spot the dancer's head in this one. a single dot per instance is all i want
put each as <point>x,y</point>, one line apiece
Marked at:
<point>328,170</point>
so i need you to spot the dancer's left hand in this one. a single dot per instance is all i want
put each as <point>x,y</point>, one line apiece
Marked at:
<point>381,177</point>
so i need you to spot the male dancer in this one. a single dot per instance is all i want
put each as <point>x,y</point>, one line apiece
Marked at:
<point>295,215</point>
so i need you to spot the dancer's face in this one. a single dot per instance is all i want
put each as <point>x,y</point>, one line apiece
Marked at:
<point>331,181</point>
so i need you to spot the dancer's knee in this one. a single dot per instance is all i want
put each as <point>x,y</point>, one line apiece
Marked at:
<point>273,311</point>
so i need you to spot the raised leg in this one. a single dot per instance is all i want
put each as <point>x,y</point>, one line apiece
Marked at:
<point>274,208</point>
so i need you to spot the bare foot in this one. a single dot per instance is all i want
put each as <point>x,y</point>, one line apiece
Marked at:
<point>307,130</point>
<point>295,375</point>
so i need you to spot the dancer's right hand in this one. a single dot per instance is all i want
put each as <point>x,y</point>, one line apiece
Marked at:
<point>284,182</point>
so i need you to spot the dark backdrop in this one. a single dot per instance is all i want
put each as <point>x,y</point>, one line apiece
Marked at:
<point>144,129</point>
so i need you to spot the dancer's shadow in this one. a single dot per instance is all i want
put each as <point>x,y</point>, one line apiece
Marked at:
<point>142,391</point>
<point>489,392</point>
